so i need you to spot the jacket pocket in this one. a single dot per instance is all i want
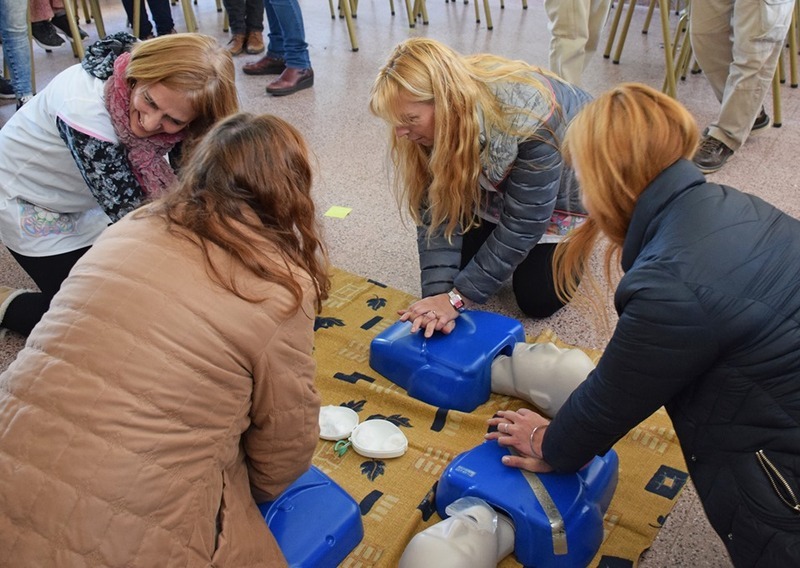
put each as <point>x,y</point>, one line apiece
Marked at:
<point>779,482</point>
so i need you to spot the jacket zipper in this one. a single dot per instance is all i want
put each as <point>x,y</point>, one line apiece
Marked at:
<point>779,483</point>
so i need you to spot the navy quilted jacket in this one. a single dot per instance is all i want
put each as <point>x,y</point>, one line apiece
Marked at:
<point>709,326</point>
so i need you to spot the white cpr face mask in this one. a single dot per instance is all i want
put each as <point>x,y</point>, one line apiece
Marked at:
<point>372,438</point>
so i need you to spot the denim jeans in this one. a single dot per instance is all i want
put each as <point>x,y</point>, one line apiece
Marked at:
<point>16,49</point>
<point>245,15</point>
<point>287,37</point>
<point>162,16</point>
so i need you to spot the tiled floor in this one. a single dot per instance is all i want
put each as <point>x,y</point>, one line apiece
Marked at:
<point>350,149</point>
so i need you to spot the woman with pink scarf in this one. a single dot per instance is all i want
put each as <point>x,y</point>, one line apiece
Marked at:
<point>102,138</point>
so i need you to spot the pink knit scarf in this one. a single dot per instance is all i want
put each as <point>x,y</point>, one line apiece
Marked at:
<point>146,155</point>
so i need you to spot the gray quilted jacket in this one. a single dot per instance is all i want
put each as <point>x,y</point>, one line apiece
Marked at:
<point>531,182</point>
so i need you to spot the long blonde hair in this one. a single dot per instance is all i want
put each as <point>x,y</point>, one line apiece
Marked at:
<point>251,175</point>
<point>617,145</point>
<point>442,181</point>
<point>194,64</point>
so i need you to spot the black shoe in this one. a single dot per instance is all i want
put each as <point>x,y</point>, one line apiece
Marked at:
<point>45,34</point>
<point>711,155</point>
<point>6,89</point>
<point>762,121</point>
<point>62,23</point>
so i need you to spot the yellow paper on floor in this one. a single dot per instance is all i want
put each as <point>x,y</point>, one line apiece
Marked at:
<point>395,494</point>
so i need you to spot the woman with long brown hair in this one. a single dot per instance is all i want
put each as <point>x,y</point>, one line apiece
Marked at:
<point>709,324</point>
<point>170,387</point>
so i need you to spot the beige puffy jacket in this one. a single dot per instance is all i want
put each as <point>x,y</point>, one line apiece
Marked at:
<point>145,408</point>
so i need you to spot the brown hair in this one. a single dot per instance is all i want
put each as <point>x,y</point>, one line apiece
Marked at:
<point>194,64</point>
<point>251,175</point>
<point>444,178</point>
<point>617,145</point>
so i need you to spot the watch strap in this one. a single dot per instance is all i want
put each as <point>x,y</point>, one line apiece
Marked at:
<point>456,300</point>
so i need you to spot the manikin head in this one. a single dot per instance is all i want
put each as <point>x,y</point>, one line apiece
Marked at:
<point>473,535</point>
<point>541,373</point>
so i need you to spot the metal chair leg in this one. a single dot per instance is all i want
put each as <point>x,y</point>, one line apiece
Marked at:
<point>487,9</point>
<point>649,16</point>
<point>671,90</point>
<point>793,51</point>
<point>344,5</point>
<point>613,31</point>
<point>188,16</point>
<point>136,24</point>
<point>421,8</point>
<point>624,34</point>
<point>77,45</point>
<point>777,115</point>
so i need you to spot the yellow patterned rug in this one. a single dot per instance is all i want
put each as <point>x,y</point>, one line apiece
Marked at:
<point>394,494</point>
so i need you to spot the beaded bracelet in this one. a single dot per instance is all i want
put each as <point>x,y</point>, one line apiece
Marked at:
<point>534,453</point>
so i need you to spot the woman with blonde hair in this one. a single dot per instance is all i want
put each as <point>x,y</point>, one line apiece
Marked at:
<point>170,387</point>
<point>709,324</point>
<point>92,146</point>
<point>476,148</point>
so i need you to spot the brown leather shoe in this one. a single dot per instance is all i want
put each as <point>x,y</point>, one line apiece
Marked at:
<point>265,66</point>
<point>255,43</point>
<point>291,81</point>
<point>236,45</point>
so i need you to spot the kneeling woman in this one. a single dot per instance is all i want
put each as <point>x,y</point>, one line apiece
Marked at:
<point>476,148</point>
<point>170,386</point>
<point>91,147</point>
<point>708,324</point>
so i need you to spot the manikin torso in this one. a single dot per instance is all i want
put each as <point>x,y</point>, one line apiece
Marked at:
<point>475,535</point>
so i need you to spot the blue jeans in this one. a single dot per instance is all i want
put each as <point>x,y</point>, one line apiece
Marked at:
<point>16,49</point>
<point>287,37</point>
<point>245,15</point>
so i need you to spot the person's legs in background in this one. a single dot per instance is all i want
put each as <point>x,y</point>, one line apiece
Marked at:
<point>598,15</point>
<point>61,23</point>
<point>145,27</point>
<point>6,89</point>
<point>20,311</point>
<point>575,27</point>
<point>254,24</point>
<point>246,19</point>
<point>161,11</point>
<point>43,31</point>
<point>274,62</point>
<point>236,21</point>
<point>711,29</point>
<point>737,44</point>
<point>287,41</point>
<point>14,32</point>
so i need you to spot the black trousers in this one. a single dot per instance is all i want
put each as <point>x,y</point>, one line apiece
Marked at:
<point>161,10</point>
<point>532,281</point>
<point>25,311</point>
<point>247,16</point>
